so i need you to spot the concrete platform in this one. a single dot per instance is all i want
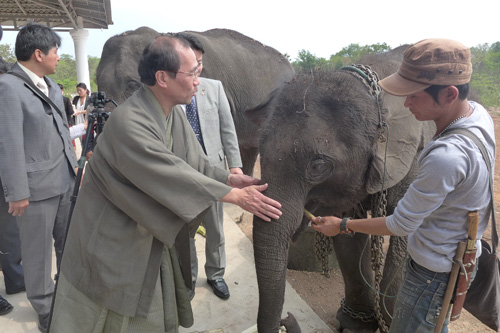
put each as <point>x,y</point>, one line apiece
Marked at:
<point>211,314</point>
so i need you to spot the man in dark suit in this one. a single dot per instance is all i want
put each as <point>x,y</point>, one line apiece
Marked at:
<point>210,116</point>
<point>37,160</point>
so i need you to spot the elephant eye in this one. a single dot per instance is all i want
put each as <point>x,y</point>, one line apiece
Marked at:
<point>319,169</point>
<point>132,86</point>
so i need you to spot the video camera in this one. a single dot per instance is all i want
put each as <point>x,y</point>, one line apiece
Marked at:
<point>98,100</point>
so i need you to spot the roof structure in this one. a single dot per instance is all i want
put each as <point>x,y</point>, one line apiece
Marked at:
<point>61,15</point>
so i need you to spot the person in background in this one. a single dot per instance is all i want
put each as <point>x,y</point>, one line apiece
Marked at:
<point>37,160</point>
<point>210,117</point>
<point>10,246</point>
<point>81,103</point>
<point>452,179</point>
<point>68,107</point>
<point>126,264</point>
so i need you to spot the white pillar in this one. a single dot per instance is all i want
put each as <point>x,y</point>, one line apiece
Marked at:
<point>80,37</point>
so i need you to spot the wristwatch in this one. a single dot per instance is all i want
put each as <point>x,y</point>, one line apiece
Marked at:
<point>343,227</point>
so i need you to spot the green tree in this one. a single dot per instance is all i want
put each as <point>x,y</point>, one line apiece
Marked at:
<point>66,73</point>
<point>485,82</point>
<point>93,63</point>
<point>7,53</point>
<point>355,51</point>
<point>306,60</point>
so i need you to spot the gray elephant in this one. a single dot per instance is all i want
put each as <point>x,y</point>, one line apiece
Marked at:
<point>323,146</point>
<point>248,70</point>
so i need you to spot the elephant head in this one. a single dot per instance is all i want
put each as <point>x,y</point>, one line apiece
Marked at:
<point>324,146</point>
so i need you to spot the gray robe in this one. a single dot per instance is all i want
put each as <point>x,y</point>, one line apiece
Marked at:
<point>136,196</point>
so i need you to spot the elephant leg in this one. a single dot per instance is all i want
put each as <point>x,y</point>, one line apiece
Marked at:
<point>393,275</point>
<point>357,313</point>
<point>248,157</point>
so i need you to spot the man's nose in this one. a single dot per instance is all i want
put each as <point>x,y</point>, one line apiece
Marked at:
<point>196,81</point>
<point>407,102</point>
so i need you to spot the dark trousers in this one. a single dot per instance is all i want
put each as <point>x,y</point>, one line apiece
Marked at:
<point>10,248</point>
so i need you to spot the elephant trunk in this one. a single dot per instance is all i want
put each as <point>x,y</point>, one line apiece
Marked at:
<point>271,242</point>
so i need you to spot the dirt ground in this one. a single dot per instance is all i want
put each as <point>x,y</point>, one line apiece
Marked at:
<point>325,294</point>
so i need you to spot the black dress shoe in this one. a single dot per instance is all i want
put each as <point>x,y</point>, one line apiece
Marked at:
<point>43,322</point>
<point>5,307</point>
<point>15,290</point>
<point>220,288</point>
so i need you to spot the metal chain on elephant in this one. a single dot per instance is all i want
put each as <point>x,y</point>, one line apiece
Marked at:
<point>323,246</point>
<point>379,208</point>
<point>362,316</point>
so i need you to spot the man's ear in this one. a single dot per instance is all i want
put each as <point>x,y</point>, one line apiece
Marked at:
<point>37,55</point>
<point>162,78</point>
<point>450,94</point>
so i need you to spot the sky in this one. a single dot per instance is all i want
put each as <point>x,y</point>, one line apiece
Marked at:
<point>320,27</point>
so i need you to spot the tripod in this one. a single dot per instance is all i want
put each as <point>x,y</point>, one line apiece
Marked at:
<point>98,118</point>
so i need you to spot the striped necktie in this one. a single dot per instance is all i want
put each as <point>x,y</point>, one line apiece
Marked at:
<point>192,116</point>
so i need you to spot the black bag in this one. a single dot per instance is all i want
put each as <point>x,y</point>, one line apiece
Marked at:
<point>483,296</point>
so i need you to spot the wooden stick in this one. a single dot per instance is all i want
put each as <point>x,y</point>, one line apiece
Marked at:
<point>451,286</point>
<point>473,221</point>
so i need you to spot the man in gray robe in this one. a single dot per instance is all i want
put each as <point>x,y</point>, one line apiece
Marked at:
<point>126,264</point>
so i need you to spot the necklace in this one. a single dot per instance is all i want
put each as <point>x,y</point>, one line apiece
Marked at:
<point>468,113</point>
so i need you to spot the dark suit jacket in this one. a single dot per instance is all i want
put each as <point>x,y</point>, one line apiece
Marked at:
<point>68,107</point>
<point>216,123</point>
<point>37,158</point>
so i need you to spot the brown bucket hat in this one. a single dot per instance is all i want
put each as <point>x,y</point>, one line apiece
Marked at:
<point>430,62</point>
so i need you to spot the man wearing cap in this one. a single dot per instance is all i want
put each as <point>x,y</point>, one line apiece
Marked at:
<point>452,179</point>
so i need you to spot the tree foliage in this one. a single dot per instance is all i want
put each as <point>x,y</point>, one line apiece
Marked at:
<point>485,82</point>
<point>348,55</point>
<point>66,73</point>
<point>7,53</point>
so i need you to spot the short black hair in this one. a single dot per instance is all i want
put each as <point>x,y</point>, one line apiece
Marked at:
<point>159,55</point>
<point>60,86</point>
<point>193,42</point>
<point>35,36</point>
<point>81,85</point>
<point>463,91</point>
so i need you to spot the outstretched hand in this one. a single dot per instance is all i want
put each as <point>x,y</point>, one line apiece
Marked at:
<point>253,201</point>
<point>240,180</point>
<point>327,225</point>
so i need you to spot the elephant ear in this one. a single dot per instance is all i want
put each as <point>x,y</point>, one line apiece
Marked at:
<point>404,136</point>
<point>259,114</point>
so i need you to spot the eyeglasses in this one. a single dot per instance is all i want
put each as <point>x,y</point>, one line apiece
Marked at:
<point>194,74</point>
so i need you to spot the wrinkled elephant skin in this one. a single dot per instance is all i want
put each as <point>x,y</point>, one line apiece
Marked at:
<point>321,148</point>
